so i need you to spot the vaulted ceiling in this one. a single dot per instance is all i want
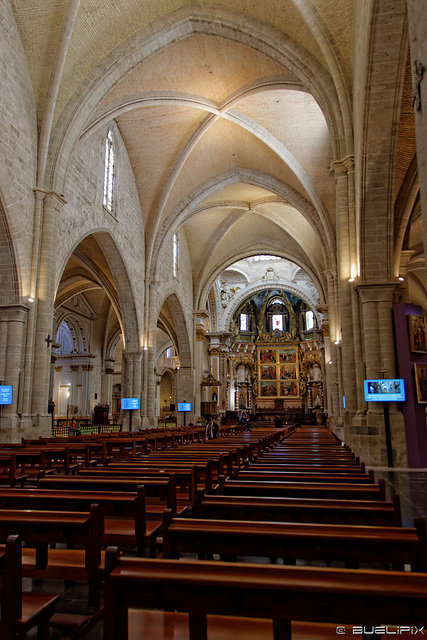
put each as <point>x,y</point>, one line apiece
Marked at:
<point>232,113</point>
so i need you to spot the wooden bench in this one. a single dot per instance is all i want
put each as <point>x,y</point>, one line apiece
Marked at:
<point>8,470</point>
<point>343,490</point>
<point>203,470</point>
<point>43,528</point>
<point>283,594</point>
<point>35,462</point>
<point>335,511</point>
<point>185,476</point>
<point>160,489</point>
<point>303,476</point>
<point>264,465</point>
<point>21,611</point>
<point>388,547</point>
<point>125,513</point>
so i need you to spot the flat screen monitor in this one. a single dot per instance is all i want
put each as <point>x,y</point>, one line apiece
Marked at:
<point>392,390</point>
<point>5,394</point>
<point>129,403</point>
<point>184,406</point>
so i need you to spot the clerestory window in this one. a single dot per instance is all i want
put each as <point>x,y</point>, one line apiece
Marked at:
<point>109,173</point>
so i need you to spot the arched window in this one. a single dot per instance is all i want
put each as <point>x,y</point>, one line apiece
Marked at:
<point>243,322</point>
<point>109,173</point>
<point>175,255</point>
<point>309,320</point>
<point>277,316</point>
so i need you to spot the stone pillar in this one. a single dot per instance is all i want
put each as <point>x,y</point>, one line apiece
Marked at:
<point>74,399</point>
<point>369,440</point>
<point>417,20</point>
<point>347,270</point>
<point>185,392</point>
<point>45,299</point>
<point>87,389</point>
<point>13,320</point>
<point>131,385</point>
<point>200,333</point>
<point>107,383</point>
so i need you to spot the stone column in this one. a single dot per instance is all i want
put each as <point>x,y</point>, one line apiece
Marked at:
<point>74,399</point>
<point>347,270</point>
<point>200,333</point>
<point>185,392</point>
<point>53,204</point>
<point>131,385</point>
<point>376,302</point>
<point>417,20</point>
<point>107,383</point>
<point>87,389</point>
<point>13,320</point>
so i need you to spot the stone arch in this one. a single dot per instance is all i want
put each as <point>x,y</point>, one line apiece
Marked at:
<point>249,251</point>
<point>251,291</point>
<point>183,341</point>
<point>9,291</point>
<point>189,207</point>
<point>185,22</point>
<point>120,293</point>
<point>77,330</point>
<point>406,200</point>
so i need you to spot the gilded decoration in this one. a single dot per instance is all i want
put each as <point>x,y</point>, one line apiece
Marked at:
<point>278,371</point>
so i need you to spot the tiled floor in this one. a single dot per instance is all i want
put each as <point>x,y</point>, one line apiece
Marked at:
<point>411,485</point>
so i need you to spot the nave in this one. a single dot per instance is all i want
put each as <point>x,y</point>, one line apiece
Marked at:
<point>292,508</point>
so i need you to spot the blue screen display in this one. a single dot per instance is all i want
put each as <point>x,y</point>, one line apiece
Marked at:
<point>5,394</point>
<point>384,390</point>
<point>184,406</point>
<point>129,403</point>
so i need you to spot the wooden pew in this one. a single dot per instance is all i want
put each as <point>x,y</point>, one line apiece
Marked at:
<point>305,467</point>
<point>185,476</point>
<point>42,528</point>
<point>389,547</point>
<point>283,594</point>
<point>304,489</point>
<point>335,511</point>
<point>125,514</point>
<point>159,489</point>
<point>8,471</point>
<point>203,470</point>
<point>21,611</point>
<point>35,462</point>
<point>303,476</point>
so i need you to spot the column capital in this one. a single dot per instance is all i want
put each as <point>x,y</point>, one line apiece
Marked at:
<point>379,292</point>
<point>14,312</point>
<point>133,356</point>
<point>55,199</point>
<point>343,167</point>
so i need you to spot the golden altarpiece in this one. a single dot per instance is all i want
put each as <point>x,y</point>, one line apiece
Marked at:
<point>286,360</point>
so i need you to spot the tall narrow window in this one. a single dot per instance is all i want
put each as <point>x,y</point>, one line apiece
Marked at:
<point>243,322</point>
<point>109,172</point>
<point>175,253</point>
<point>277,322</point>
<point>309,320</point>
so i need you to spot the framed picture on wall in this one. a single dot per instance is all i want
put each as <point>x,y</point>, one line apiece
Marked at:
<point>421,382</point>
<point>417,333</point>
